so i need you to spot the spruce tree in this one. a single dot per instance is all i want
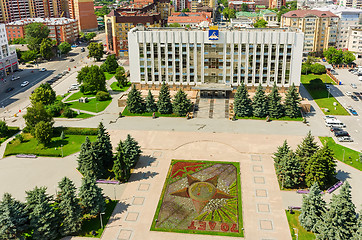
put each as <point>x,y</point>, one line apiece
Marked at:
<point>292,101</point>
<point>321,168</point>
<point>290,172</point>
<point>132,151</point>
<point>339,222</point>
<point>69,208</point>
<point>313,207</point>
<point>358,233</point>
<point>181,104</point>
<point>135,102</point>
<point>121,168</point>
<point>88,164</point>
<point>306,149</point>
<point>260,103</point>
<point>164,104</point>
<point>242,102</point>
<point>91,196</point>
<point>278,156</point>
<point>44,221</point>
<point>151,106</point>
<point>13,218</point>
<point>103,148</point>
<point>275,108</point>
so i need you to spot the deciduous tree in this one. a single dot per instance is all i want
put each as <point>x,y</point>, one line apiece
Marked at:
<point>135,102</point>
<point>95,50</point>
<point>46,48</point>
<point>260,23</point>
<point>64,47</point>
<point>110,65</point>
<point>91,196</point>
<point>3,129</point>
<point>43,94</point>
<point>43,132</point>
<point>242,102</point>
<point>34,35</point>
<point>292,101</point>
<point>121,77</point>
<point>181,104</point>
<point>92,79</point>
<point>28,56</point>
<point>348,57</point>
<point>36,113</point>
<point>164,104</point>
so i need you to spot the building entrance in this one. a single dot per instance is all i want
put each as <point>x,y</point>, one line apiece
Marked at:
<point>214,93</point>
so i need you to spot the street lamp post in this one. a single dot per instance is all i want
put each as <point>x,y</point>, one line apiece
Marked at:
<point>329,91</point>
<point>61,147</point>
<point>114,188</point>
<point>100,216</point>
<point>344,151</point>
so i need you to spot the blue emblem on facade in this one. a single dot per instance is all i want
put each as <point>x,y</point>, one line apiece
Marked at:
<point>213,34</point>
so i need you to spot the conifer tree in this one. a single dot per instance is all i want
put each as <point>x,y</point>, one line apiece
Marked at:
<point>103,148</point>
<point>306,149</point>
<point>260,103</point>
<point>278,156</point>
<point>135,102</point>
<point>358,233</point>
<point>181,104</point>
<point>121,168</point>
<point>91,196</point>
<point>290,172</point>
<point>44,221</point>
<point>321,167</point>
<point>13,218</point>
<point>69,208</point>
<point>88,164</point>
<point>339,222</point>
<point>151,106</point>
<point>313,207</point>
<point>242,102</point>
<point>132,151</point>
<point>164,104</point>
<point>292,101</point>
<point>275,108</point>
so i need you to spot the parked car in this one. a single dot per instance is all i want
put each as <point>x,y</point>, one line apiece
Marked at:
<point>354,97</point>
<point>15,78</point>
<point>42,69</point>
<point>9,89</point>
<point>348,93</point>
<point>360,78</point>
<point>71,60</point>
<point>345,139</point>
<point>29,65</point>
<point>329,117</point>
<point>24,84</point>
<point>50,81</point>
<point>64,72</point>
<point>341,134</point>
<point>352,111</point>
<point>82,49</point>
<point>336,129</point>
<point>334,72</point>
<point>59,75</point>
<point>353,85</point>
<point>74,45</point>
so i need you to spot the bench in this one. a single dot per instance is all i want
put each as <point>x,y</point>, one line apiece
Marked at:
<point>334,187</point>
<point>108,181</point>
<point>26,156</point>
<point>306,192</point>
<point>291,208</point>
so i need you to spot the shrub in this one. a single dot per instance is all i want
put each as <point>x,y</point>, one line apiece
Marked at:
<point>69,113</point>
<point>19,137</point>
<point>75,131</point>
<point>55,108</point>
<point>43,132</point>
<point>102,96</point>
<point>318,68</point>
<point>3,129</point>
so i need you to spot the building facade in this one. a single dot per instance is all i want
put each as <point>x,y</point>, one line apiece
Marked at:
<point>219,58</point>
<point>351,3</point>
<point>355,40</point>
<point>61,29</point>
<point>276,3</point>
<point>319,27</point>
<point>268,15</point>
<point>8,56</point>
<point>83,12</point>
<point>189,19</point>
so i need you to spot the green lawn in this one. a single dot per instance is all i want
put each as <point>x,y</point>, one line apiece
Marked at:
<point>115,87</point>
<point>108,75</point>
<point>61,97</point>
<point>339,150</point>
<point>148,114</point>
<point>71,144</point>
<point>78,95</point>
<point>81,115</point>
<point>294,223</point>
<point>92,106</point>
<point>320,96</point>
<point>94,224</point>
<point>11,132</point>
<point>273,119</point>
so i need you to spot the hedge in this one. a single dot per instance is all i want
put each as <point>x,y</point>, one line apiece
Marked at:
<point>75,131</point>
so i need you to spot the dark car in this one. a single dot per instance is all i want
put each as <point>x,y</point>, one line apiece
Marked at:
<point>341,134</point>
<point>354,97</point>
<point>82,49</point>
<point>9,89</point>
<point>71,60</point>
<point>50,81</point>
<point>336,129</point>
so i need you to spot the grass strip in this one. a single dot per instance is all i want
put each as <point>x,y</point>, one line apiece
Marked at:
<point>115,87</point>
<point>294,224</point>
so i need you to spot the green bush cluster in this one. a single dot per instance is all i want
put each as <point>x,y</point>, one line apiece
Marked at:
<point>315,68</point>
<point>75,131</point>
<point>103,96</point>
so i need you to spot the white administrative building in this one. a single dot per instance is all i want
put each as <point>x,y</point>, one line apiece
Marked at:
<point>221,57</point>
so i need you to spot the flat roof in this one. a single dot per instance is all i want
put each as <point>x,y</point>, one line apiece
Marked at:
<point>49,21</point>
<point>221,28</point>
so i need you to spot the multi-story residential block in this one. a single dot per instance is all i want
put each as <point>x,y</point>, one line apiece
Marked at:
<point>215,59</point>
<point>119,23</point>
<point>319,27</point>
<point>351,3</point>
<point>61,29</point>
<point>355,40</point>
<point>276,3</point>
<point>194,4</point>
<point>83,12</point>
<point>189,19</point>
<point>268,15</point>
<point>348,18</point>
<point>238,5</point>
<point>8,57</point>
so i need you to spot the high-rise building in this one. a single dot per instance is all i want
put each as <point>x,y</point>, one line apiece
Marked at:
<point>83,11</point>
<point>319,27</point>
<point>276,3</point>
<point>217,59</point>
<point>8,56</point>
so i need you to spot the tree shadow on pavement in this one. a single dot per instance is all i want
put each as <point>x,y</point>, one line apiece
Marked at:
<point>342,175</point>
<point>120,208</point>
<point>142,176</point>
<point>145,161</point>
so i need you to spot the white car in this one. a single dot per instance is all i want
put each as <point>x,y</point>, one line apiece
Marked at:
<point>24,84</point>
<point>42,69</point>
<point>345,139</point>
<point>348,94</point>
<point>353,85</point>
<point>15,78</point>
<point>74,87</point>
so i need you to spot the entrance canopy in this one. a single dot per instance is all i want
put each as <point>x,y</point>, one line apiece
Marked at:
<point>213,87</point>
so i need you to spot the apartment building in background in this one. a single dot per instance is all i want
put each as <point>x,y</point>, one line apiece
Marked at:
<point>268,15</point>
<point>193,4</point>
<point>217,59</point>
<point>8,56</point>
<point>189,18</point>
<point>83,12</point>
<point>276,3</point>
<point>117,25</point>
<point>61,29</point>
<point>351,3</point>
<point>319,28</point>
